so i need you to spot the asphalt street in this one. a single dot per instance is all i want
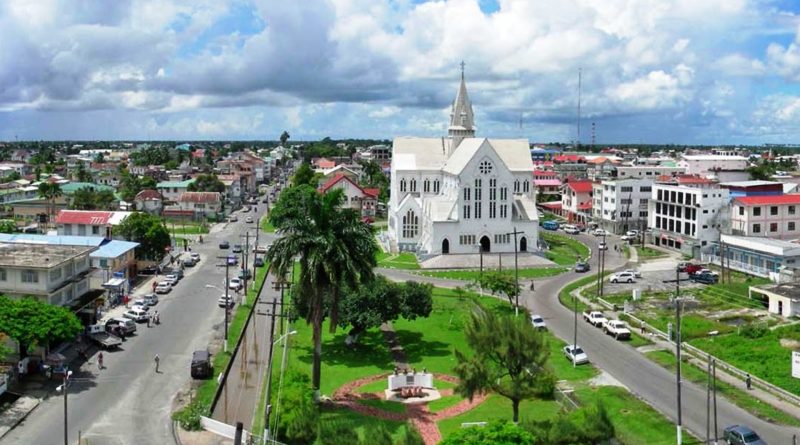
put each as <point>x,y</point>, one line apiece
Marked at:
<point>128,402</point>
<point>644,378</point>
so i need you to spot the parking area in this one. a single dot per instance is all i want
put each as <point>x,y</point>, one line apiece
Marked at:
<point>661,280</point>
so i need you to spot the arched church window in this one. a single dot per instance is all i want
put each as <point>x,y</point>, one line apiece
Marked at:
<point>426,185</point>
<point>516,186</point>
<point>410,224</point>
<point>403,185</point>
<point>526,186</point>
<point>436,186</point>
<point>413,185</point>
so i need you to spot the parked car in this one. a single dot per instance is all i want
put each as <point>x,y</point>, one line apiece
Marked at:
<point>235,283</point>
<point>636,273</point>
<point>189,262</point>
<point>222,301</point>
<point>258,262</point>
<point>195,256</point>
<point>260,249</point>
<point>178,272</point>
<point>163,287</point>
<point>245,274</point>
<point>140,303</point>
<point>599,232</point>
<point>245,209</point>
<point>232,260</point>
<point>705,271</point>
<point>595,318</point>
<point>705,278</point>
<point>622,277</point>
<point>172,279</point>
<point>237,248</point>
<point>201,365</point>
<point>575,354</point>
<point>616,329</point>
<point>688,267</point>
<point>550,225</point>
<point>151,299</point>
<point>741,435</point>
<point>630,235</point>
<point>571,229</point>
<point>602,246</point>
<point>224,245</point>
<point>136,314</point>
<point>125,324</point>
<point>249,220</point>
<point>538,322</point>
<point>233,218</point>
<point>582,266</point>
<point>149,270</point>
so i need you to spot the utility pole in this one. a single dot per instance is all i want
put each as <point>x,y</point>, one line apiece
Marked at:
<point>64,387</point>
<point>708,401</point>
<point>268,407</point>
<point>575,333</point>
<point>678,348</point>
<point>516,269</point>
<point>714,392</point>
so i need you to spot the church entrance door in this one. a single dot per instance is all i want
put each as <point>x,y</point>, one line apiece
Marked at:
<point>445,247</point>
<point>523,244</point>
<point>485,244</point>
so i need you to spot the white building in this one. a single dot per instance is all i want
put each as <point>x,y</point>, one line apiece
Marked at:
<point>453,194</point>
<point>723,167</point>
<point>648,171</point>
<point>687,213</point>
<point>775,216</point>
<point>620,205</point>
<point>53,274</point>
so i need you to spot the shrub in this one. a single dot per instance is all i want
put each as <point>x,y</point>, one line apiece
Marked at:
<point>299,414</point>
<point>505,433</point>
<point>337,432</point>
<point>376,434</point>
<point>754,330</point>
<point>189,416</point>
<point>411,437</point>
<point>585,426</point>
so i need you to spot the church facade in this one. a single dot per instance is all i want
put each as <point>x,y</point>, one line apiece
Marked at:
<point>462,194</point>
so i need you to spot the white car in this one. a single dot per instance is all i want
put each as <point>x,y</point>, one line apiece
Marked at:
<point>571,229</point>
<point>141,303</point>
<point>602,246</point>
<point>195,256</point>
<point>222,300</point>
<point>630,235</point>
<point>233,218</point>
<point>163,287</point>
<point>635,272</point>
<point>538,322</point>
<point>151,299</point>
<point>249,220</point>
<point>706,271</point>
<point>136,314</point>
<point>235,284</point>
<point>260,249</point>
<point>575,354</point>
<point>172,279</point>
<point>599,232</point>
<point>622,277</point>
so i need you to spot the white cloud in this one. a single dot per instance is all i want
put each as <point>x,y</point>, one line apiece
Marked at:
<point>384,112</point>
<point>739,65</point>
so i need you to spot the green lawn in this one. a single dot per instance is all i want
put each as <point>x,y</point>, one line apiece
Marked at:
<point>737,395</point>
<point>763,357</point>
<point>568,300</point>
<point>187,229</point>
<point>692,326</point>
<point>473,274</point>
<point>497,408</point>
<point>266,226</point>
<point>444,402</point>
<point>384,404</point>
<point>564,250</point>
<point>403,260</point>
<point>360,423</point>
<point>635,422</point>
<point>648,253</point>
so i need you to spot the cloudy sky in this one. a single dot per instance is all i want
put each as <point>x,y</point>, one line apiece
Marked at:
<point>682,71</point>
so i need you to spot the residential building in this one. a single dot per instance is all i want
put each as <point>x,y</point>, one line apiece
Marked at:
<point>547,190</point>
<point>233,188</point>
<point>648,171</point>
<point>782,299</point>
<point>620,205</point>
<point>763,257</point>
<point>364,200</point>
<point>461,194</point>
<point>576,201</point>
<point>89,222</point>
<point>198,204</point>
<point>172,190</point>
<point>686,213</point>
<point>601,167</point>
<point>771,216</point>
<point>723,167</point>
<point>753,188</point>
<point>51,273</point>
<point>149,201</point>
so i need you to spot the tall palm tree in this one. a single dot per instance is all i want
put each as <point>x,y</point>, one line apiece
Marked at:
<point>334,248</point>
<point>50,191</point>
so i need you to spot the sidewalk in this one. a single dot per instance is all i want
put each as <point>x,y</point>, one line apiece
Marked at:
<point>16,413</point>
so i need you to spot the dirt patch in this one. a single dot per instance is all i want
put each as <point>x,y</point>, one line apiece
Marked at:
<point>790,343</point>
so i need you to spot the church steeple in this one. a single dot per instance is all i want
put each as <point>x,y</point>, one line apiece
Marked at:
<point>462,124</point>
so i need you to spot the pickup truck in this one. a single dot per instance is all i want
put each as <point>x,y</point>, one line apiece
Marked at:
<point>596,318</point>
<point>97,333</point>
<point>616,329</point>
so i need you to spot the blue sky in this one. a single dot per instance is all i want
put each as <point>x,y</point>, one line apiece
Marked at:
<point>654,71</point>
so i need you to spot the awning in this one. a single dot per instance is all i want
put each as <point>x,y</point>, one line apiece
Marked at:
<point>114,283</point>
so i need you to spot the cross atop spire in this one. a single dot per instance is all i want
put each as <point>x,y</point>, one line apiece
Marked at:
<point>461,117</point>
<point>462,69</point>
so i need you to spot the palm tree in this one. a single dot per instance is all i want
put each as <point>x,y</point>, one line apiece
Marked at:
<point>334,248</point>
<point>50,191</point>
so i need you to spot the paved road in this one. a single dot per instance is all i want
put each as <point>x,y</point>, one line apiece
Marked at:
<point>644,378</point>
<point>128,403</point>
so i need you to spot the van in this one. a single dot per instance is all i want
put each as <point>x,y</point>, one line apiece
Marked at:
<point>571,229</point>
<point>201,365</point>
<point>550,225</point>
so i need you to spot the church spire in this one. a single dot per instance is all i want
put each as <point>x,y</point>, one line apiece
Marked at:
<point>462,124</point>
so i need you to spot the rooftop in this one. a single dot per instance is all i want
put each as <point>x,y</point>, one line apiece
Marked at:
<point>792,198</point>
<point>199,197</point>
<point>175,184</point>
<point>39,256</point>
<point>113,249</point>
<point>83,217</point>
<point>71,187</point>
<point>749,183</point>
<point>766,245</point>
<point>580,186</point>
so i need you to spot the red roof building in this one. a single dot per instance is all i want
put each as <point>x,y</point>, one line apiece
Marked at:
<point>358,198</point>
<point>792,198</point>
<point>85,217</point>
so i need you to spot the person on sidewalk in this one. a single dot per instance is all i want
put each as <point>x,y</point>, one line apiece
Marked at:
<point>748,382</point>
<point>149,320</point>
<point>100,361</point>
<point>157,359</point>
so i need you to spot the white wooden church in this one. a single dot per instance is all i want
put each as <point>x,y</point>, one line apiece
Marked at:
<point>461,194</point>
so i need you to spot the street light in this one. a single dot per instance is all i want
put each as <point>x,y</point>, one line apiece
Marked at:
<point>63,387</point>
<point>284,337</point>
<point>227,299</point>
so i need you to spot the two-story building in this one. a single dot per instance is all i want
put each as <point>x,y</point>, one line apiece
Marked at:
<point>770,216</point>
<point>172,190</point>
<point>363,200</point>
<point>197,204</point>
<point>576,201</point>
<point>89,222</point>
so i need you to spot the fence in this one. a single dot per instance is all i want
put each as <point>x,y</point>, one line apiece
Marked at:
<point>222,429</point>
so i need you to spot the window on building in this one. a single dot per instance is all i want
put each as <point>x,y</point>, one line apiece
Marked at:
<point>55,274</point>
<point>659,195</point>
<point>645,189</point>
<point>95,230</point>
<point>503,193</point>
<point>516,186</point>
<point>773,210</point>
<point>643,201</point>
<point>773,227</point>
<point>466,211</point>
<point>503,211</point>
<point>626,189</point>
<point>413,187</point>
<point>477,191</point>
<point>30,276</point>
<point>485,167</point>
<point>466,194</point>
<point>756,228</point>
<point>790,226</point>
<point>526,186</point>
<point>493,189</point>
<point>741,210</point>
<point>3,275</point>
<point>403,185</point>
<point>791,210</point>
<point>426,186</point>
<point>643,214</point>
<point>478,210</point>
<point>410,224</point>
<point>492,209</point>
<point>756,211</point>
<point>436,186</point>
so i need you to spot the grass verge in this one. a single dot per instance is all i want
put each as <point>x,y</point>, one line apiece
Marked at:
<point>497,408</point>
<point>473,274</point>
<point>564,250</point>
<point>403,260</point>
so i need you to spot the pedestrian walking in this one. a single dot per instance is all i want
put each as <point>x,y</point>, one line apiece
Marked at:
<point>157,359</point>
<point>100,361</point>
<point>149,320</point>
<point>157,318</point>
<point>748,382</point>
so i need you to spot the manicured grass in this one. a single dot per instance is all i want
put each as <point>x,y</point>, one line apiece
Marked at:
<point>763,357</point>
<point>738,396</point>
<point>394,407</point>
<point>403,260</point>
<point>187,229</point>
<point>266,226</point>
<point>564,250</point>
<point>635,422</point>
<point>473,274</point>
<point>498,408</point>
<point>568,300</point>
<point>444,402</point>
<point>378,386</point>
<point>562,367</point>
<point>648,253</point>
<point>360,423</point>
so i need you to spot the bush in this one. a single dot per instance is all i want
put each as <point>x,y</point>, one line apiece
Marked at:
<point>376,434</point>
<point>299,414</point>
<point>754,330</point>
<point>337,432</point>
<point>585,426</point>
<point>505,433</point>
<point>411,437</point>
<point>189,416</point>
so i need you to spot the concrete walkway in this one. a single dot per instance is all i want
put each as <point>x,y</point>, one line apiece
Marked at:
<point>16,413</point>
<point>490,261</point>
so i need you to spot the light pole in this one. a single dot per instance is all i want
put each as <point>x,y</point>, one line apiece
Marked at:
<point>516,270</point>
<point>678,349</point>
<point>285,338</point>
<point>226,307</point>
<point>63,387</point>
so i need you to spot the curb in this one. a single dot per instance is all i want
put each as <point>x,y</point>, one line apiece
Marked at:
<point>14,425</point>
<point>176,436</point>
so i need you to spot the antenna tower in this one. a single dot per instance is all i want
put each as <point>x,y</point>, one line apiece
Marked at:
<point>593,134</point>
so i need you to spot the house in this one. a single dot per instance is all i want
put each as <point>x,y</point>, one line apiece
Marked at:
<point>149,201</point>
<point>22,156</point>
<point>620,205</point>
<point>460,193</point>
<point>576,201</point>
<point>763,257</point>
<point>364,200</point>
<point>770,216</point>
<point>115,264</point>
<point>172,190</point>
<point>341,169</point>
<point>686,213</point>
<point>233,187</point>
<point>547,189</point>
<point>782,299</point>
<point>753,188</point>
<point>601,167</point>
<point>199,204</point>
<point>71,187</point>
<point>89,222</point>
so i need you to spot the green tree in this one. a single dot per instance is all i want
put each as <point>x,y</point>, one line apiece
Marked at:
<point>131,185</point>
<point>208,156</point>
<point>8,226</point>
<point>50,191</point>
<point>499,283</point>
<point>89,198</point>
<point>335,249</point>
<point>13,176</point>
<point>82,175</point>
<point>496,433</point>
<point>149,232</point>
<point>206,183</point>
<point>304,175</point>
<point>31,322</point>
<point>100,158</point>
<point>379,300</point>
<point>284,137</point>
<point>510,359</point>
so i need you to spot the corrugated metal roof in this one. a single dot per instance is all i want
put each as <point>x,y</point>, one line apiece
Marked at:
<point>60,240</point>
<point>114,249</point>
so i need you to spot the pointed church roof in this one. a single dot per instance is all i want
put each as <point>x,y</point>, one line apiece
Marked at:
<point>461,117</point>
